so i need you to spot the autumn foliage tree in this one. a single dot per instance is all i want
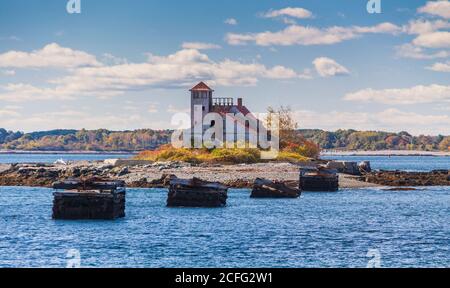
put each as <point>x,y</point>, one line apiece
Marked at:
<point>290,140</point>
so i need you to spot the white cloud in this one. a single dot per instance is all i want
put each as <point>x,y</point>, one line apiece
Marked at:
<point>8,72</point>
<point>152,108</point>
<point>181,69</point>
<point>172,109</point>
<point>439,39</point>
<point>108,58</point>
<point>410,51</point>
<point>327,67</point>
<point>52,55</point>
<point>414,95</point>
<point>303,35</point>
<point>437,8</point>
<point>21,92</point>
<point>200,46</point>
<point>295,12</point>
<point>10,111</point>
<point>440,67</point>
<point>231,21</point>
<point>387,120</point>
<point>422,26</point>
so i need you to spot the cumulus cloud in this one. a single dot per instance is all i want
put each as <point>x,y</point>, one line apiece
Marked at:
<point>440,67</point>
<point>387,120</point>
<point>428,36</point>
<point>8,72</point>
<point>303,35</point>
<point>10,111</point>
<point>21,92</point>
<point>410,51</point>
<point>327,67</point>
<point>231,21</point>
<point>415,95</point>
<point>422,26</point>
<point>52,55</point>
<point>181,69</point>
<point>436,8</point>
<point>294,12</point>
<point>439,39</point>
<point>200,45</point>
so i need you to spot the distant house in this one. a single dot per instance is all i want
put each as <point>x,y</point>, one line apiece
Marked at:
<point>203,103</point>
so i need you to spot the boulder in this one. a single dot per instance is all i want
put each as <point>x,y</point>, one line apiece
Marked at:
<point>346,167</point>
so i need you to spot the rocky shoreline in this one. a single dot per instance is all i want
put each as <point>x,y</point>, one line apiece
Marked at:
<point>156,175</point>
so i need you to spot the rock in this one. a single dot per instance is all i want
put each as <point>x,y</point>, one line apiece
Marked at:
<point>346,167</point>
<point>263,188</point>
<point>403,178</point>
<point>123,171</point>
<point>364,167</point>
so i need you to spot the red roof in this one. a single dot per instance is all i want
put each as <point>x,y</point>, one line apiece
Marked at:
<point>230,109</point>
<point>201,87</point>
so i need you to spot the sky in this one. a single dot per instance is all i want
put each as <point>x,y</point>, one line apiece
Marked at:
<point>129,64</point>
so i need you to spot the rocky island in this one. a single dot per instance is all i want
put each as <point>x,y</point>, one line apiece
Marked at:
<point>157,174</point>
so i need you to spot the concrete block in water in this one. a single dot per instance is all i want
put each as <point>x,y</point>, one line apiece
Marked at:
<point>324,180</point>
<point>263,188</point>
<point>196,193</point>
<point>88,199</point>
<point>88,205</point>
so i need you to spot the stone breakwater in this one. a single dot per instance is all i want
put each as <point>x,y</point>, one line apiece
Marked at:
<point>156,175</point>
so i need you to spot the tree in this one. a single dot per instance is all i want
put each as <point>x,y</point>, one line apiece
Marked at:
<point>445,144</point>
<point>288,126</point>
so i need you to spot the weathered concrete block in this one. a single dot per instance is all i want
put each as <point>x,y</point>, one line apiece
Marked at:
<point>263,188</point>
<point>88,205</point>
<point>325,180</point>
<point>89,199</point>
<point>196,193</point>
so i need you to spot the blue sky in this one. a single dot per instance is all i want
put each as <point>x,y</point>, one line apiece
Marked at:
<point>128,64</point>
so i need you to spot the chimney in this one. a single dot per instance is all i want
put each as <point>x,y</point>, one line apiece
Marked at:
<point>239,102</point>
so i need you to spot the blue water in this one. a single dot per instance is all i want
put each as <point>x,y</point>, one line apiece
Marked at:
<point>409,229</point>
<point>50,158</point>
<point>407,163</point>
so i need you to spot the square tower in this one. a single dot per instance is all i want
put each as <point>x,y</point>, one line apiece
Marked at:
<point>201,96</point>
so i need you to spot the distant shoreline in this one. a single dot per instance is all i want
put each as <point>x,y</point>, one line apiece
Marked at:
<point>386,153</point>
<point>67,152</point>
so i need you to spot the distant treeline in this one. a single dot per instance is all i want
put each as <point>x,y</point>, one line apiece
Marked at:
<point>375,140</point>
<point>84,140</point>
<point>147,139</point>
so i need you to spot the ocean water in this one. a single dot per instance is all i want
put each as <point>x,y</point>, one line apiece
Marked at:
<point>344,229</point>
<point>406,229</point>
<point>50,158</point>
<point>407,163</point>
